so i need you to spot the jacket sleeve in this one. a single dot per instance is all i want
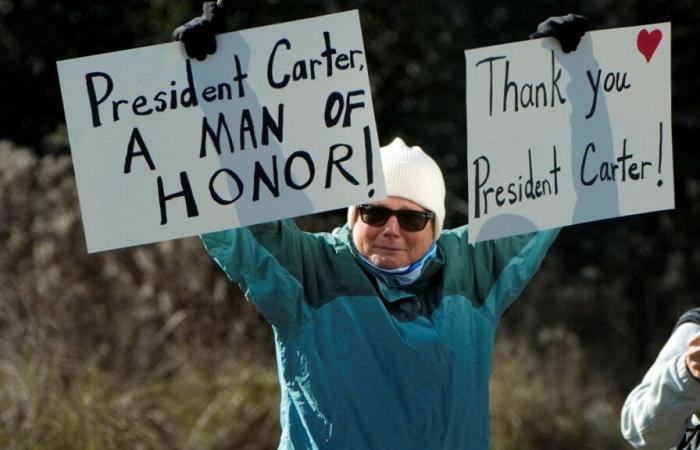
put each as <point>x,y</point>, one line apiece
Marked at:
<point>503,267</point>
<point>276,265</point>
<point>657,411</point>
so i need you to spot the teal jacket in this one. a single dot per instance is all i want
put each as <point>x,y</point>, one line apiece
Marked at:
<point>363,365</point>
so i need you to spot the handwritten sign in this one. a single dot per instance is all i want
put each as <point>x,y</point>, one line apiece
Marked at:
<point>278,123</point>
<point>556,139</point>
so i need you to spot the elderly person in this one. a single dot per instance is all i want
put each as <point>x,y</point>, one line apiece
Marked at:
<point>660,413</point>
<point>384,330</point>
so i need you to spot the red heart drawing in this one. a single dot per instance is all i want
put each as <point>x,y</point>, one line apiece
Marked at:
<point>648,42</point>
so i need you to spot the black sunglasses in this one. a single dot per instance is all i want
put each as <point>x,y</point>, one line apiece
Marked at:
<point>409,219</point>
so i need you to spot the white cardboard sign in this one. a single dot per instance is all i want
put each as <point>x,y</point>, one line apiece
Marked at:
<point>278,123</point>
<point>556,139</point>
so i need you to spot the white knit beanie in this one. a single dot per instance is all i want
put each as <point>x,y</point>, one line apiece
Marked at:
<point>410,173</point>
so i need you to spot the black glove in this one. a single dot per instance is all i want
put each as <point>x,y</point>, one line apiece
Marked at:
<point>567,29</point>
<point>199,34</point>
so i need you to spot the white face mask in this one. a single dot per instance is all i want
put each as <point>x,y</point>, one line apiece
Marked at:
<point>403,276</point>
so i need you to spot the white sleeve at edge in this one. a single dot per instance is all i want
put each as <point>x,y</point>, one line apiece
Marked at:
<point>656,412</point>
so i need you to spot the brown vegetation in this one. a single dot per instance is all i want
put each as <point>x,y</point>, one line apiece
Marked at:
<point>148,347</point>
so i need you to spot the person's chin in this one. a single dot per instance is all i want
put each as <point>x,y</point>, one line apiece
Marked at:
<point>389,262</point>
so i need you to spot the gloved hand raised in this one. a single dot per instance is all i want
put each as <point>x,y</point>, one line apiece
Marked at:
<point>567,29</point>
<point>199,34</point>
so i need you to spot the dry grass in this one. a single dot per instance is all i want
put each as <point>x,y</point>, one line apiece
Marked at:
<point>142,348</point>
<point>66,384</point>
<point>543,396</point>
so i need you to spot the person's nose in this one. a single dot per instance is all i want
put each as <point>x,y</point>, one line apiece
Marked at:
<point>392,227</point>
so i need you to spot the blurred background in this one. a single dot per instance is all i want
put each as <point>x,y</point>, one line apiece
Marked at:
<point>152,348</point>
